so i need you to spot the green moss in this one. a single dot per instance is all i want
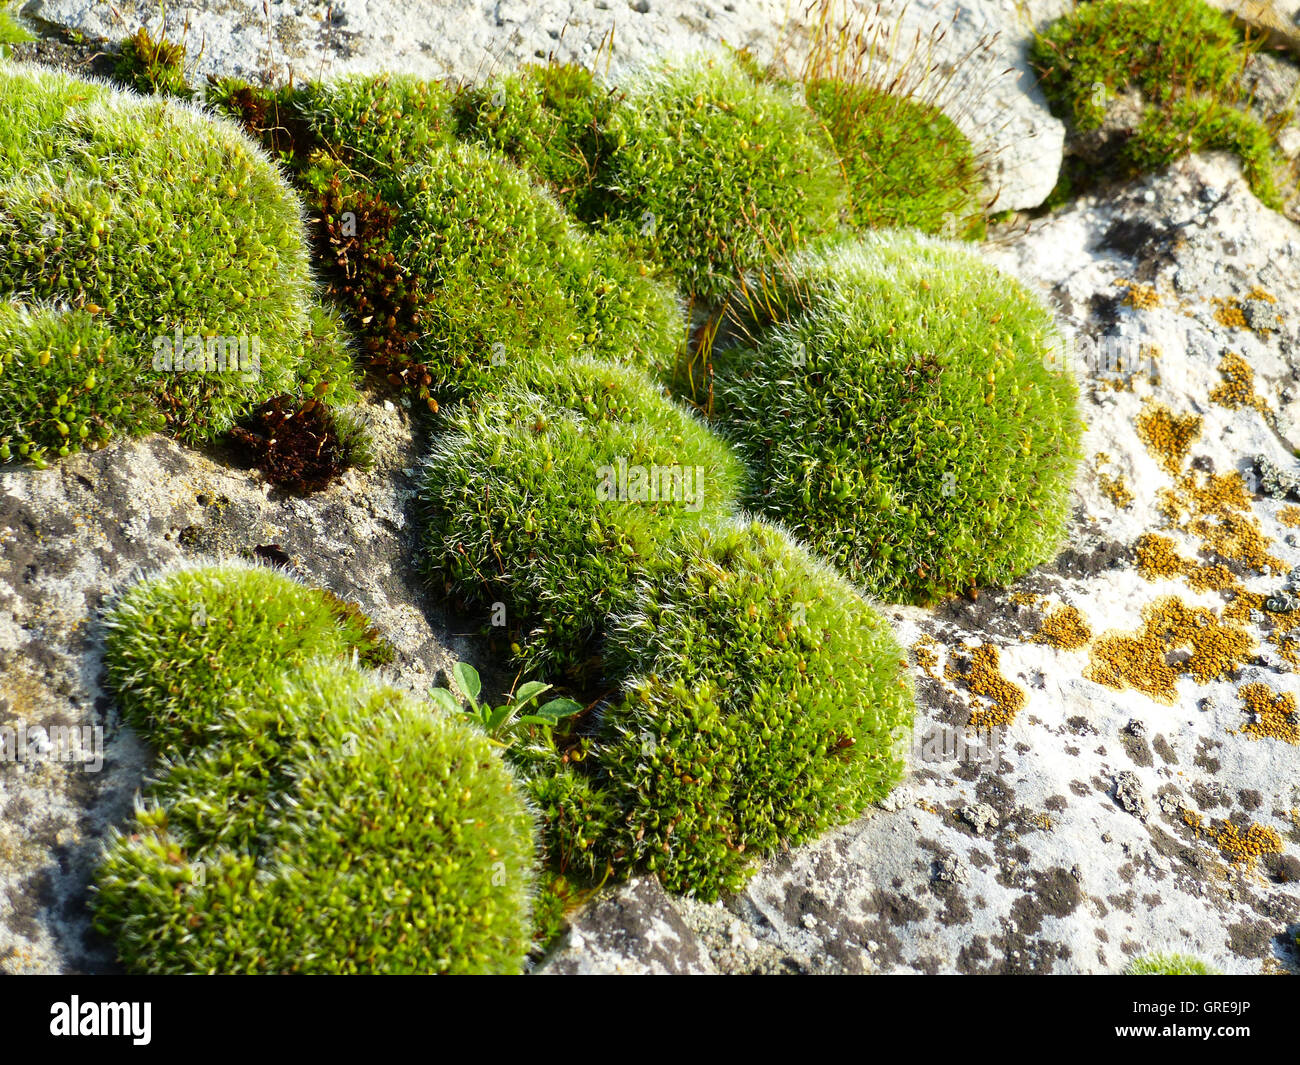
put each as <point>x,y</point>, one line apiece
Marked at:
<point>392,840</point>
<point>184,651</point>
<point>152,66</point>
<point>710,173</point>
<point>547,119</point>
<point>524,501</point>
<point>1169,965</point>
<point>767,701</point>
<point>907,163</point>
<point>1185,57</point>
<point>900,412</point>
<point>160,223</point>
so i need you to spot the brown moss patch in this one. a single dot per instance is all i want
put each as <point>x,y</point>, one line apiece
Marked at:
<point>1175,640</point>
<point>296,446</point>
<point>1064,628</point>
<point>1168,437</point>
<point>979,671</point>
<point>1273,714</point>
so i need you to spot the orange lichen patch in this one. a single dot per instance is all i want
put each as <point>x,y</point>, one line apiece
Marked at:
<point>1258,293</point>
<point>1139,296</point>
<point>1273,714</point>
<point>1176,639</point>
<point>923,652</point>
<point>1237,538</point>
<point>1217,510</point>
<point>1115,489</point>
<point>1238,386</point>
<point>1157,558</point>
<point>1238,846</point>
<point>1064,628</point>
<point>1282,624</point>
<point>1168,436</point>
<point>1228,313</point>
<point>1024,598</point>
<point>1290,517</point>
<point>981,674</point>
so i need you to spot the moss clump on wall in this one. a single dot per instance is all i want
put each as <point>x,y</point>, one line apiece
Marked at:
<point>390,839</point>
<point>555,492</point>
<point>175,235</point>
<point>907,163</point>
<point>899,409</point>
<point>765,702</point>
<point>1169,965</point>
<point>1186,60</point>
<point>710,173</point>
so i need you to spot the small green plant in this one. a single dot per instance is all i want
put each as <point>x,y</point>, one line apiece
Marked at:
<point>501,723</point>
<point>11,31</point>
<point>1169,965</point>
<point>183,651</point>
<point>1185,58</point>
<point>552,493</point>
<point>152,65</point>
<point>765,701</point>
<point>180,248</point>
<point>385,839</point>
<point>901,410</point>
<point>710,173</point>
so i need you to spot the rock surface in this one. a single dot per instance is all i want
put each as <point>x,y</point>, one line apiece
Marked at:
<point>992,95</point>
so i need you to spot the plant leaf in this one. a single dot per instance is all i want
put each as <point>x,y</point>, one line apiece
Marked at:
<point>445,700</point>
<point>559,708</point>
<point>467,679</point>
<point>529,691</point>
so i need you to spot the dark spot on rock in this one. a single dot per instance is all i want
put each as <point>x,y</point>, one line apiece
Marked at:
<point>1163,749</point>
<point>1249,939</point>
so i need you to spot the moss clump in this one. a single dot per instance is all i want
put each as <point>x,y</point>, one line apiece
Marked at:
<point>11,31</point>
<point>461,263</point>
<point>710,173</point>
<point>387,839</point>
<point>548,119</point>
<point>907,163</point>
<point>183,650</point>
<point>900,411</point>
<point>175,235</point>
<point>1186,59</point>
<point>1169,965</point>
<point>152,66</point>
<point>766,702</point>
<point>553,494</point>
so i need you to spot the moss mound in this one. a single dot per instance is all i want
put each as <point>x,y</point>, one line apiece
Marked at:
<point>185,650</point>
<point>548,119</point>
<point>710,173</point>
<point>767,701</point>
<point>1185,57</point>
<point>1169,965</point>
<point>392,840</point>
<point>553,494</point>
<point>175,235</point>
<point>900,411</point>
<point>907,163</point>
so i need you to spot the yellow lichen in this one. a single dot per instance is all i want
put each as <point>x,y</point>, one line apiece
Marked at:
<point>981,674</point>
<point>923,652</point>
<point>1142,660</point>
<point>1228,313</point>
<point>1238,386</point>
<point>1238,846</point>
<point>1168,436</point>
<point>1290,517</point>
<point>1273,714</point>
<point>1139,296</point>
<point>1064,628</point>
